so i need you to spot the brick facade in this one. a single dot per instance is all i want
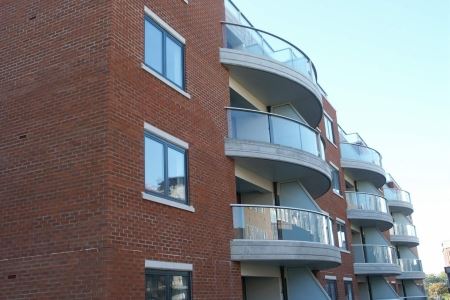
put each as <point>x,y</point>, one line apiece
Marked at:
<point>74,101</point>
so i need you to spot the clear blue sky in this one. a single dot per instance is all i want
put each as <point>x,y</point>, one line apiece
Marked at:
<point>385,65</point>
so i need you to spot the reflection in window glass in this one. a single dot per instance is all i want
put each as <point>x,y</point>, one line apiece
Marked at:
<point>156,287</point>
<point>174,62</point>
<point>179,288</point>
<point>329,129</point>
<point>331,288</point>
<point>176,164</point>
<point>165,169</point>
<point>342,238</point>
<point>335,183</point>
<point>154,166</point>
<point>153,55</point>
<point>163,53</point>
<point>348,290</point>
<point>167,285</point>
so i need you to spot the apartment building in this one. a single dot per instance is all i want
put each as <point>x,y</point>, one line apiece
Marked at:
<point>171,150</point>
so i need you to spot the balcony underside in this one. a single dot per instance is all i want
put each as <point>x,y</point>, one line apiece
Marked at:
<point>362,171</point>
<point>369,218</point>
<point>279,163</point>
<point>286,253</point>
<point>402,207</point>
<point>377,269</point>
<point>412,275</point>
<point>274,83</point>
<point>405,240</point>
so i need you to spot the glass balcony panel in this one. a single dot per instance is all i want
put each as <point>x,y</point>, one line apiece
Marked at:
<point>360,153</point>
<point>375,254</point>
<point>404,229</point>
<point>410,265</point>
<point>269,128</point>
<point>286,133</point>
<point>364,201</point>
<point>397,195</point>
<point>251,40</point>
<point>249,126</point>
<point>278,223</point>
<point>309,140</point>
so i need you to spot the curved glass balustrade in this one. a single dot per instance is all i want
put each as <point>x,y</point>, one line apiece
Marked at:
<point>375,254</point>
<point>396,195</point>
<point>365,201</point>
<point>360,153</point>
<point>258,126</point>
<point>257,42</point>
<point>262,222</point>
<point>410,265</point>
<point>403,229</point>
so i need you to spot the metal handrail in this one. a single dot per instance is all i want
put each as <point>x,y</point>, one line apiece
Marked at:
<point>282,207</point>
<point>279,38</point>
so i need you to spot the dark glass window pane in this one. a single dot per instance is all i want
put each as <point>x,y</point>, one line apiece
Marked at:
<point>348,290</point>
<point>180,288</point>
<point>335,180</point>
<point>153,55</point>
<point>156,287</point>
<point>332,289</point>
<point>174,62</point>
<point>154,166</point>
<point>177,174</point>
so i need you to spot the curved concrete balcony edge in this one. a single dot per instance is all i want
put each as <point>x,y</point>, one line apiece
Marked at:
<point>370,218</point>
<point>365,171</point>
<point>411,275</point>
<point>405,240</point>
<point>403,207</point>
<point>281,163</point>
<point>377,269</point>
<point>287,253</point>
<point>310,105</point>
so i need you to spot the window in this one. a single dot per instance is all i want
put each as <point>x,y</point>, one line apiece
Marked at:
<point>165,169</point>
<point>329,129</point>
<point>167,285</point>
<point>331,288</point>
<point>348,290</point>
<point>335,180</point>
<point>342,236</point>
<point>163,53</point>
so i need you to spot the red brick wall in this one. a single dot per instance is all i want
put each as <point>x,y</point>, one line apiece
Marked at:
<point>74,224</point>
<point>53,95</point>
<point>336,206</point>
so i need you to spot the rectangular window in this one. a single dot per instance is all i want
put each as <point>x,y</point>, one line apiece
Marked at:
<point>342,236</point>
<point>331,288</point>
<point>329,129</point>
<point>167,285</point>
<point>165,169</point>
<point>348,290</point>
<point>163,53</point>
<point>335,180</point>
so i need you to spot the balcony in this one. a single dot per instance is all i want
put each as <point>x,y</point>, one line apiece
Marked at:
<point>363,163</point>
<point>283,236</point>
<point>398,201</point>
<point>272,69</point>
<point>404,235</point>
<point>411,269</point>
<point>368,210</point>
<point>278,148</point>
<point>375,260</point>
